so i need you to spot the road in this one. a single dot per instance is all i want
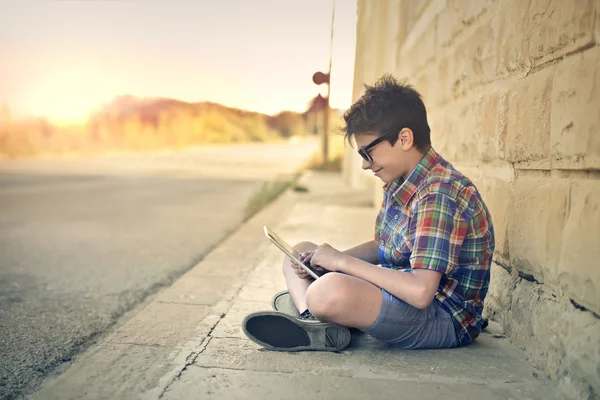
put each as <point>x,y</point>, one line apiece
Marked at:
<point>82,241</point>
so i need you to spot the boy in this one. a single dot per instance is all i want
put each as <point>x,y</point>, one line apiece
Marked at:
<point>422,282</point>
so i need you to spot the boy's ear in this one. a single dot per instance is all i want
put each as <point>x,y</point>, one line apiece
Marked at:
<point>406,138</point>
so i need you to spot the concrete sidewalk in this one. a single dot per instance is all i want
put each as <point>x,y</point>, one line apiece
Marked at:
<point>188,342</point>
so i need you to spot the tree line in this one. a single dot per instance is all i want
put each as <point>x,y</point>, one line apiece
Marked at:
<point>130,123</point>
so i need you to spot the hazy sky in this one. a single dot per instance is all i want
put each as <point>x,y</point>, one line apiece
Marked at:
<point>63,58</point>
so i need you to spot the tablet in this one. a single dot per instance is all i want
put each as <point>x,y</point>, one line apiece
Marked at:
<point>291,253</point>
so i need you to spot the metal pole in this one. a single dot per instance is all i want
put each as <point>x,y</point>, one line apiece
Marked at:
<point>326,121</point>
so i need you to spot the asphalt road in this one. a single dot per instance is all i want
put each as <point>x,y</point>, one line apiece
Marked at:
<point>84,241</point>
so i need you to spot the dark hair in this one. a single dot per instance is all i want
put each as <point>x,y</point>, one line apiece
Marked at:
<point>386,106</point>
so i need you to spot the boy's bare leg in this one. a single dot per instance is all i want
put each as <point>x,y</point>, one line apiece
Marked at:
<point>337,298</point>
<point>296,285</point>
<point>344,300</point>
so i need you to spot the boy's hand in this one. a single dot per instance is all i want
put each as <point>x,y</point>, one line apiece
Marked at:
<point>301,272</point>
<point>327,257</point>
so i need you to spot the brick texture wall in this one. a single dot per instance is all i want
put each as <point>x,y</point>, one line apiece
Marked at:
<point>512,90</point>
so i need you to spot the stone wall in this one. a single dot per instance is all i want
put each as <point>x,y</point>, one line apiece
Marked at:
<point>512,90</point>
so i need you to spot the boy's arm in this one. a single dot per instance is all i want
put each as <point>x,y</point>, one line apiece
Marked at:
<point>437,230</point>
<point>368,252</point>
<point>416,288</point>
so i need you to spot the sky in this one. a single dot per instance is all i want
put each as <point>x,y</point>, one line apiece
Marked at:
<point>63,59</point>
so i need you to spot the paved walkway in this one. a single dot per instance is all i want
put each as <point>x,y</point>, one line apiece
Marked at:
<point>188,343</point>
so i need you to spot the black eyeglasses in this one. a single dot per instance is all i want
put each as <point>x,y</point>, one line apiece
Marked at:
<point>364,151</point>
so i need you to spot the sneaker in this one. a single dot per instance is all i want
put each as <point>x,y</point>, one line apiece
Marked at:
<point>283,302</point>
<point>281,332</point>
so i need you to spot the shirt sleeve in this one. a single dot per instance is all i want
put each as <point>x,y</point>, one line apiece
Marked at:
<point>436,231</point>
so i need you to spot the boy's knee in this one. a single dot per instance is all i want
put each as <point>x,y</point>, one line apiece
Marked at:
<point>325,297</point>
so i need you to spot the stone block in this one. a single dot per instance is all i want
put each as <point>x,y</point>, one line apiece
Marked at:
<point>436,118</point>
<point>393,32</point>
<point>444,127</point>
<point>449,24</point>
<point>575,139</point>
<point>420,7</point>
<point>494,114</point>
<point>456,17</point>
<point>497,195</point>
<point>491,120</point>
<point>528,122</point>
<point>443,91</point>
<point>428,85</point>
<point>557,27</point>
<point>474,129</point>
<point>578,271</point>
<point>512,45</point>
<point>382,38</point>
<point>471,10</point>
<point>419,48</point>
<point>540,208</point>
<point>473,60</point>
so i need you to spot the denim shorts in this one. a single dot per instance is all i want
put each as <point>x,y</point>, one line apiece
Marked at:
<point>402,325</point>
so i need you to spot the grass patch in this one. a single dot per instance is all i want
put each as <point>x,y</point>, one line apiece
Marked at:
<point>333,164</point>
<point>268,192</point>
<point>271,190</point>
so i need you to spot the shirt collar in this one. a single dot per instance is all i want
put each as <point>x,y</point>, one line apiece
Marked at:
<point>402,190</point>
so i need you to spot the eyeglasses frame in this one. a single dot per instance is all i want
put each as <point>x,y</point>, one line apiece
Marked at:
<point>364,151</point>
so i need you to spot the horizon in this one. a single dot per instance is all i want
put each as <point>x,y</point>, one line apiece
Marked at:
<point>257,56</point>
<point>103,106</point>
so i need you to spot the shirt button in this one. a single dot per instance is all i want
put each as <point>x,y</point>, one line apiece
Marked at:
<point>396,216</point>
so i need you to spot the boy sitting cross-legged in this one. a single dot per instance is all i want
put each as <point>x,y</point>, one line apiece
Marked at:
<point>422,281</point>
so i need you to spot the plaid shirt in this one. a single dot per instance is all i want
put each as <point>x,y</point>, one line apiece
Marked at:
<point>437,220</point>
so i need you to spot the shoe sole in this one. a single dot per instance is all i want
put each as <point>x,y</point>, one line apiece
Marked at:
<point>281,332</point>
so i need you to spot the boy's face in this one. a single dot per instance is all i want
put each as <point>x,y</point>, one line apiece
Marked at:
<point>389,162</point>
<point>386,163</point>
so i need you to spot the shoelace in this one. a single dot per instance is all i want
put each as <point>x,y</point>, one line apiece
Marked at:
<point>307,315</point>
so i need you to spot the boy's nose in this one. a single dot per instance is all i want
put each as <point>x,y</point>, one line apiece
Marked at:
<point>366,164</point>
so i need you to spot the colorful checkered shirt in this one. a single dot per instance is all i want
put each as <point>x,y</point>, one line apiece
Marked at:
<point>437,220</point>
